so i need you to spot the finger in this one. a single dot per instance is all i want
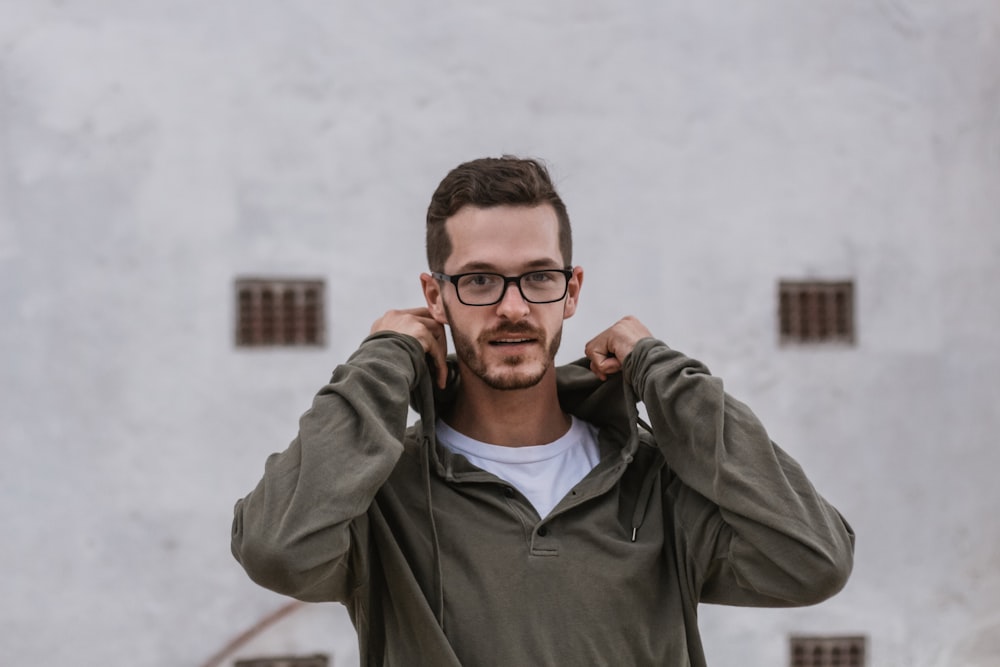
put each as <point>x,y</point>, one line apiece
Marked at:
<point>441,364</point>
<point>597,353</point>
<point>595,365</point>
<point>610,366</point>
<point>421,312</point>
<point>413,321</point>
<point>439,353</point>
<point>603,361</point>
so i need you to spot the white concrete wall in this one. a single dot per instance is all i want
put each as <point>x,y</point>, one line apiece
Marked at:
<point>152,151</point>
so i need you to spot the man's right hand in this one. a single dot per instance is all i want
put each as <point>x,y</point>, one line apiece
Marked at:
<point>417,322</point>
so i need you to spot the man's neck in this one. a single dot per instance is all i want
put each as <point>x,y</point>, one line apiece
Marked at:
<point>512,418</point>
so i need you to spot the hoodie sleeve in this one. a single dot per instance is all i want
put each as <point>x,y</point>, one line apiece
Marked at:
<point>750,525</point>
<point>295,531</point>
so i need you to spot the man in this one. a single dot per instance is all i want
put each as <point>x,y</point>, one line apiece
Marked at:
<point>528,518</point>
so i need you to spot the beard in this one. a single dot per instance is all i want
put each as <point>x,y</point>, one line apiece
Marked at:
<point>507,374</point>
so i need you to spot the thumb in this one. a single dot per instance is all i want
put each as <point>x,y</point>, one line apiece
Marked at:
<point>442,373</point>
<point>610,364</point>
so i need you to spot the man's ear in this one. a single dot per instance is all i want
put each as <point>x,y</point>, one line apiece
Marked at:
<point>573,292</point>
<point>434,296</point>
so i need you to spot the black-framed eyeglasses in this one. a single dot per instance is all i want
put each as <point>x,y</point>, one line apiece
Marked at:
<point>486,289</point>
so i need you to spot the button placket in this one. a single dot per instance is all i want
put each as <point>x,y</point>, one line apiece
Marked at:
<point>543,541</point>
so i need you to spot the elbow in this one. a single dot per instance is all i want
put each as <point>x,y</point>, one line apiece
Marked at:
<point>265,562</point>
<point>829,570</point>
<point>278,570</point>
<point>297,568</point>
<point>827,580</point>
<point>801,574</point>
<point>265,565</point>
<point>843,565</point>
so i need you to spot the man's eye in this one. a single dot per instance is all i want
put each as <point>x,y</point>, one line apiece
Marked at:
<point>479,280</point>
<point>539,277</point>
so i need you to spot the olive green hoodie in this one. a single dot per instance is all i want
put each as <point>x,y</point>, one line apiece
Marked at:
<point>440,563</point>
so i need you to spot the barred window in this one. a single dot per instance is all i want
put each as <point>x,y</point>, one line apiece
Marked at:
<point>279,312</point>
<point>828,651</point>
<point>288,661</point>
<point>816,311</point>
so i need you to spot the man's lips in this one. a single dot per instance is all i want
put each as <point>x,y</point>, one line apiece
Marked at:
<point>512,341</point>
<point>512,338</point>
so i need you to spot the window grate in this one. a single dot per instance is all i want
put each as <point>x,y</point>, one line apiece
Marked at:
<point>287,661</point>
<point>279,312</point>
<point>828,651</point>
<point>816,311</point>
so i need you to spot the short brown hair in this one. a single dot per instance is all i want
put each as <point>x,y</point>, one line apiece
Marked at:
<point>489,182</point>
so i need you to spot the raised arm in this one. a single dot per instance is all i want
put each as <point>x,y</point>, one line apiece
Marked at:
<point>751,527</point>
<point>294,532</point>
<point>755,529</point>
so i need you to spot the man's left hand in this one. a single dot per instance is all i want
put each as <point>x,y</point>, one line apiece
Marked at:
<point>609,348</point>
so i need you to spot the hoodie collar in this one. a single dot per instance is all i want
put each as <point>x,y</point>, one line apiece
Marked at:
<point>610,405</point>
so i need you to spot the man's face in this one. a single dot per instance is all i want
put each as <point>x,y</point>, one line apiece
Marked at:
<point>511,344</point>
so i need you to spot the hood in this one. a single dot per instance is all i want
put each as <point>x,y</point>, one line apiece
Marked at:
<point>610,404</point>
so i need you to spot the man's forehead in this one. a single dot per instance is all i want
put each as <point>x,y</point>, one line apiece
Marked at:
<point>485,238</point>
<point>473,223</point>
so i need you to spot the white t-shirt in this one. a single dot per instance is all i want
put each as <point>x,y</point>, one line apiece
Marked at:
<point>543,473</point>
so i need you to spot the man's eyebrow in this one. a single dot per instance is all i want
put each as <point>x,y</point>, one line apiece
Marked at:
<point>541,263</point>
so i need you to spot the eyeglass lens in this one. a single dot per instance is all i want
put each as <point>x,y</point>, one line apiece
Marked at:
<point>487,288</point>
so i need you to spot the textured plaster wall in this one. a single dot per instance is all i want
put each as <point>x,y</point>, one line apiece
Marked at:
<point>151,152</point>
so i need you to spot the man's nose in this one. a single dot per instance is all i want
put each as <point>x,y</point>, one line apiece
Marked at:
<point>512,305</point>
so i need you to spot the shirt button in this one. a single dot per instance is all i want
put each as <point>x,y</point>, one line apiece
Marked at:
<point>509,492</point>
<point>543,531</point>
